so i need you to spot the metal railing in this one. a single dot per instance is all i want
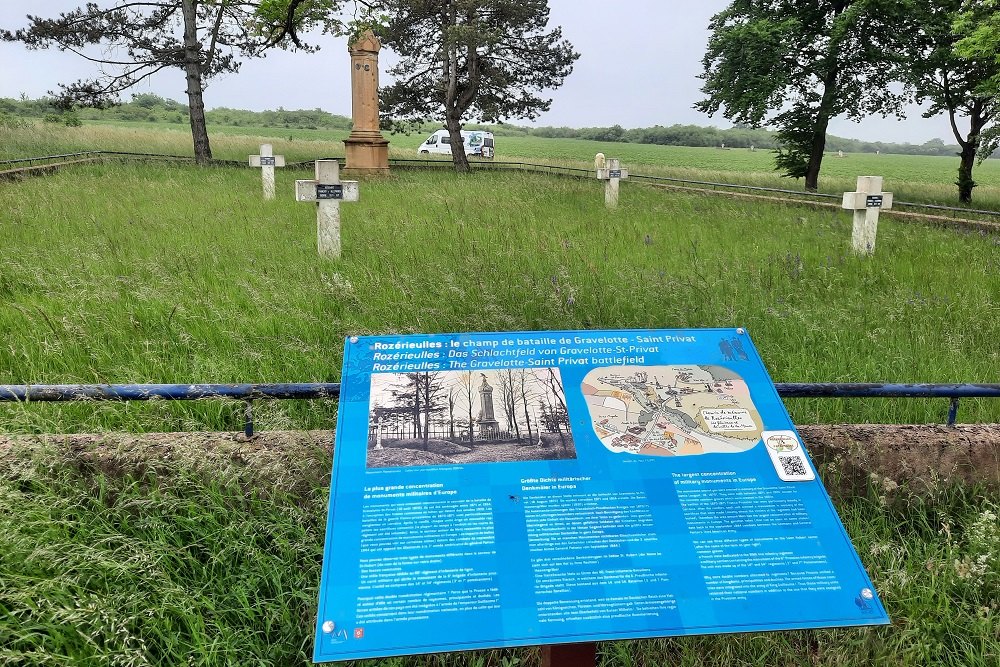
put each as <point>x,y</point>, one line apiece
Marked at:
<point>46,159</point>
<point>45,393</point>
<point>50,160</point>
<point>576,172</point>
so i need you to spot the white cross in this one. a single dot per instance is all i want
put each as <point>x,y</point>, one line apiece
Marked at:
<point>866,204</point>
<point>267,161</point>
<point>611,174</point>
<point>327,190</point>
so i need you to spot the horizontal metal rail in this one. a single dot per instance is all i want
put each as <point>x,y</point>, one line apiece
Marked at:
<point>794,195</point>
<point>63,156</point>
<point>528,166</point>
<point>799,195</point>
<point>44,393</point>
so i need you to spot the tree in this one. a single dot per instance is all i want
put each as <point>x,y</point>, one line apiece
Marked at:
<point>956,82</point>
<point>467,388</point>
<point>484,59</point>
<point>507,391</point>
<point>523,383</point>
<point>557,414</point>
<point>797,65</point>
<point>203,38</point>
<point>430,389</point>
<point>978,27</point>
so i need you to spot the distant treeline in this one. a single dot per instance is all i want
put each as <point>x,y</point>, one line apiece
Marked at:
<point>147,107</point>
<point>736,137</point>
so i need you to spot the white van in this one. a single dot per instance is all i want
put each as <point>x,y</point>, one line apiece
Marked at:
<point>476,142</point>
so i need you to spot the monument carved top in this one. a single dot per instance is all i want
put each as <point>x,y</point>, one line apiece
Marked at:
<point>366,42</point>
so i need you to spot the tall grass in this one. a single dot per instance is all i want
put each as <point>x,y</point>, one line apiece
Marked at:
<point>115,273</point>
<point>158,565</point>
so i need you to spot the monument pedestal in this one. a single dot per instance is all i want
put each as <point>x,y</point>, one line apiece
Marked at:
<point>366,154</point>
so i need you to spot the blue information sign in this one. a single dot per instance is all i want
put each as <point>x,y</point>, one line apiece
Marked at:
<point>511,489</point>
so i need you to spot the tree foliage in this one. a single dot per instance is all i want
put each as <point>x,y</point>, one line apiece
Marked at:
<point>484,60</point>
<point>138,38</point>
<point>797,65</point>
<point>956,81</point>
<point>977,26</point>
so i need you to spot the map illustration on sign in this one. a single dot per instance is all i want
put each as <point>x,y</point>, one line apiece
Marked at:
<point>671,410</point>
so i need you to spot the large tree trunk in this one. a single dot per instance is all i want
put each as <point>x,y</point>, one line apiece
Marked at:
<point>468,392</point>
<point>426,379</point>
<point>192,71</point>
<point>970,148</point>
<point>458,156</point>
<point>820,128</point>
<point>965,183</point>
<point>527,417</point>
<point>451,416</point>
<point>816,152</point>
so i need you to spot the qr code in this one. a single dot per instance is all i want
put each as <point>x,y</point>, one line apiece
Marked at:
<point>793,466</point>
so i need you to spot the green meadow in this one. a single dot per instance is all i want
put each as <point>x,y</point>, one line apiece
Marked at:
<point>916,178</point>
<point>150,272</point>
<point>171,273</point>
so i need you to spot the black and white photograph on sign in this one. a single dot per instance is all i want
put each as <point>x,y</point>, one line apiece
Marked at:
<point>480,416</point>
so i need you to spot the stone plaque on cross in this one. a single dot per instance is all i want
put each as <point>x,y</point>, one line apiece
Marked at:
<point>866,204</point>
<point>611,173</point>
<point>327,190</point>
<point>267,161</point>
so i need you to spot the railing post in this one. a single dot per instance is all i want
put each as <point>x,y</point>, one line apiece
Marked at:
<point>248,418</point>
<point>953,411</point>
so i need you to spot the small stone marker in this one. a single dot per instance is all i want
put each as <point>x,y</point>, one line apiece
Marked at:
<point>267,161</point>
<point>866,204</point>
<point>327,190</point>
<point>612,173</point>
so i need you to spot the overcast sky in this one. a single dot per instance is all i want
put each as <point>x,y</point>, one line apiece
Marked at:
<point>638,67</point>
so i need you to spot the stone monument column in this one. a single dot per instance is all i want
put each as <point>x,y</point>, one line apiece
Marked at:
<point>367,150</point>
<point>487,422</point>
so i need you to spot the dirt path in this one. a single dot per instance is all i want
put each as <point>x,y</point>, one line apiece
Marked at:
<point>847,454</point>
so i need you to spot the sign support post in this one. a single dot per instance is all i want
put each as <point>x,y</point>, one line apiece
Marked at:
<point>327,190</point>
<point>570,655</point>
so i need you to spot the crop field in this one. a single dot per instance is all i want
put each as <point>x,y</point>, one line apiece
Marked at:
<point>133,272</point>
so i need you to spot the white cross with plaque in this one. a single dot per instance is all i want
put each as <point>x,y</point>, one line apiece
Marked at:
<point>866,204</point>
<point>267,161</point>
<point>611,173</point>
<point>327,190</point>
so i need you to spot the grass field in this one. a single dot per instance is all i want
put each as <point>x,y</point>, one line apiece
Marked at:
<point>160,273</point>
<point>911,178</point>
